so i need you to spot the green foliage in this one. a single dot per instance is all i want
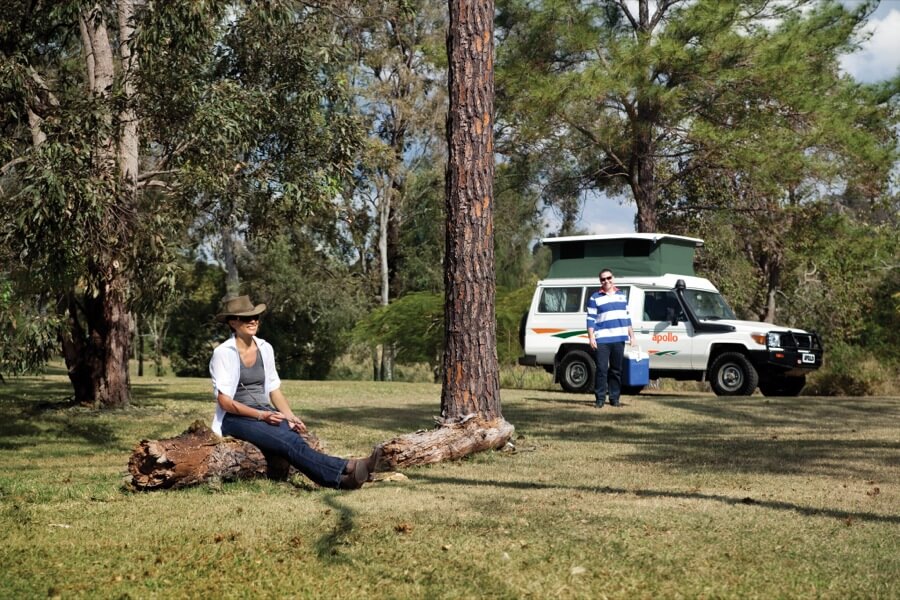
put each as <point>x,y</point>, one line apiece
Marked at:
<point>413,324</point>
<point>193,331</point>
<point>602,98</point>
<point>512,305</point>
<point>313,301</point>
<point>420,265</point>
<point>854,371</point>
<point>845,274</point>
<point>27,331</point>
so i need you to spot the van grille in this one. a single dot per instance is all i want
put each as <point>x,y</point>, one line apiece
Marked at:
<point>802,341</point>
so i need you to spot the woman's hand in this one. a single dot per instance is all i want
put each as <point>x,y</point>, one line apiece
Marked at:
<point>271,417</point>
<point>296,424</point>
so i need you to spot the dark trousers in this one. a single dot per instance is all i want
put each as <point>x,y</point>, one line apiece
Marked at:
<point>608,358</point>
<point>283,441</point>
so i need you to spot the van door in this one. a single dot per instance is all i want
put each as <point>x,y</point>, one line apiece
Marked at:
<point>669,346</point>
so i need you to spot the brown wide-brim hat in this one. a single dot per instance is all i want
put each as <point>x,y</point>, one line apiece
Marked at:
<point>238,306</point>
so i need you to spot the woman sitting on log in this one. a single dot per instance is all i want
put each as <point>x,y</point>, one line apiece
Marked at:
<point>251,406</point>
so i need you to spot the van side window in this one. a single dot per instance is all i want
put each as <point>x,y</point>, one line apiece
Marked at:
<point>560,300</point>
<point>656,304</point>
<point>589,291</point>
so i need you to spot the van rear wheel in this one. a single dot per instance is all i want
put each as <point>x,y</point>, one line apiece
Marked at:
<point>576,372</point>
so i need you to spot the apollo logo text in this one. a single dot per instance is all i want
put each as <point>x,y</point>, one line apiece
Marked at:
<point>665,337</point>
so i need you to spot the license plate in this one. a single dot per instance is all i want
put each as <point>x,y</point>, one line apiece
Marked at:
<point>808,358</point>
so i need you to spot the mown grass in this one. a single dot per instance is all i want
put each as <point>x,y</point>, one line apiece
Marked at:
<point>672,496</point>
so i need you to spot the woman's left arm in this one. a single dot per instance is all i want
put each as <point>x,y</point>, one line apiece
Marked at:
<point>280,402</point>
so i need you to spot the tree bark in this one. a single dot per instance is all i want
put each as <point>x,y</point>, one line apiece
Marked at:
<point>199,456</point>
<point>471,374</point>
<point>448,442</point>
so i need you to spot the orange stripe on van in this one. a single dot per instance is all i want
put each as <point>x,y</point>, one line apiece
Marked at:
<point>546,330</point>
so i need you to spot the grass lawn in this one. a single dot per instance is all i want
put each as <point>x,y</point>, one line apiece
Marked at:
<point>671,496</point>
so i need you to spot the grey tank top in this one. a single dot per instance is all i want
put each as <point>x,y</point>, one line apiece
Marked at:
<point>252,384</point>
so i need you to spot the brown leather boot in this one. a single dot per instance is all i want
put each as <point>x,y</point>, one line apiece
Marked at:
<point>355,474</point>
<point>373,459</point>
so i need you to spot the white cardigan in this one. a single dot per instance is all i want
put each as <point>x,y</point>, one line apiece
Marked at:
<point>225,369</point>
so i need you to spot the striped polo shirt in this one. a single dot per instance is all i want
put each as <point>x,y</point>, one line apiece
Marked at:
<point>607,315</point>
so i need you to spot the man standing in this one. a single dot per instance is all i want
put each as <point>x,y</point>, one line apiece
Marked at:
<point>609,326</point>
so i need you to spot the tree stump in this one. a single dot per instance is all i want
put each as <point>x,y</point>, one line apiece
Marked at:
<point>449,441</point>
<point>198,456</point>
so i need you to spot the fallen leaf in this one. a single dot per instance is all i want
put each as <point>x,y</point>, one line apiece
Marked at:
<point>446,547</point>
<point>577,570</point>
<point>403,528</point>
<point>873,492</point>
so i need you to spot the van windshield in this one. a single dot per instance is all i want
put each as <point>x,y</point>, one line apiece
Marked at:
<point>708,305</point>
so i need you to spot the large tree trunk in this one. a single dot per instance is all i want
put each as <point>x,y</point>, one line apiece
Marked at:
<point>113,388</point>
<point>97,350</point>
<point>471,376</point>
<point>199,456</point>
<point>97,345</point>
<point>471,420</point>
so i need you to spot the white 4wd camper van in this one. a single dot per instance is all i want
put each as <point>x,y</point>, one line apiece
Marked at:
<point>681,320</point>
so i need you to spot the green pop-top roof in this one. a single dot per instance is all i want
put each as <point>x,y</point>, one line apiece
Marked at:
<point>627,254</point>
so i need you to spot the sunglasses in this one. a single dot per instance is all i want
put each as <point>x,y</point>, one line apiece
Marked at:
<point>606,278</point>
<point>249,319</point>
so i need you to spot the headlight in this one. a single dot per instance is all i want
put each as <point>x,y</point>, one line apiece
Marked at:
<point>773,339</point>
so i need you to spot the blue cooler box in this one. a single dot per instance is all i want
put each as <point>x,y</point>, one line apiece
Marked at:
<point>635,368</point>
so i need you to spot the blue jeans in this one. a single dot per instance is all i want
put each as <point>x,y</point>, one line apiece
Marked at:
<point>608,358</point>
<point>283,441</point>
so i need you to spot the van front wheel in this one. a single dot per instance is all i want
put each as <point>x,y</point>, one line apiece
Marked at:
<point>576,372</point>
<point>733,375</point>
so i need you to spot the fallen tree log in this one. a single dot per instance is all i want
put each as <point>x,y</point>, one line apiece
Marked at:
<point>449,441</point>
<point>198,456</point>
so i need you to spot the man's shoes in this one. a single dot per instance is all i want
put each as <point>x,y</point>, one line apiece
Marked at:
<point>616,404</point>
<point>598,405</point>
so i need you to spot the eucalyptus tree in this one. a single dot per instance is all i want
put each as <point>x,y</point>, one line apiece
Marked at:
<point>119,136</point>
<point>72,178</point>
<point>628,98</point>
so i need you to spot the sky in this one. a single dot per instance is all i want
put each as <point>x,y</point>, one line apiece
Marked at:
<point>877,60</point>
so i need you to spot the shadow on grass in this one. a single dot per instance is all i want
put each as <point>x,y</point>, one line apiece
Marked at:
<point>328,546</point>
<point>35,391</point>
<point>777,436</point>
<point>747,435</point>
<point>606,490</point>
<point>35,409</point>
<point>18,432</point>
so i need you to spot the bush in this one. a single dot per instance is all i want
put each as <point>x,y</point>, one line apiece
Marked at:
<point>852,371</point>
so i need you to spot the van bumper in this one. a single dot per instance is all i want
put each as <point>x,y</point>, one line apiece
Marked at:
<point>529,360</point>
<point>786,361</point>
